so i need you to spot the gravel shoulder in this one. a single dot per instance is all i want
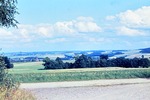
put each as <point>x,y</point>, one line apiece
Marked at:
<point>118,89</point>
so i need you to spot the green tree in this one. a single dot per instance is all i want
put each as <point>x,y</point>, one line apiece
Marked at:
<point>60,63</point>
<point>8,10</point>
<point>144,62</point>
<point>90,63</point>
<point>81,61</point>
<point>104,57</point>
<point>8,64</point>
<point>135,62</point>
<point>53,64</point>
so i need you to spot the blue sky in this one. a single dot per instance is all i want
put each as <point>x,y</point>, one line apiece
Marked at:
<point>58,25</point>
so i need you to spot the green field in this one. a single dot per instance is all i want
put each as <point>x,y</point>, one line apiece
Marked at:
<point>33,72</point>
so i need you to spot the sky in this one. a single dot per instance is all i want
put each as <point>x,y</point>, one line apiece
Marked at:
<point>66,25</point>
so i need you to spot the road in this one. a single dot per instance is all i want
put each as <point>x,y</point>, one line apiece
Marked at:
<point>121,89</point>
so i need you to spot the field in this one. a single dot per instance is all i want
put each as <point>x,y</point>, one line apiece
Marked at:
<point>33,72</point>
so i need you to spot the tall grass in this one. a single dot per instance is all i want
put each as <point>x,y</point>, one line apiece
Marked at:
<point>15,94</point>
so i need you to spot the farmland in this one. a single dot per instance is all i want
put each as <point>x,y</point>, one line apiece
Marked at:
<point>33,72</point>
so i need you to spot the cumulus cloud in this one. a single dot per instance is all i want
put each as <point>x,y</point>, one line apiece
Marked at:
<point>51,32</point>
<point>64,27</point>
<point>137,18</point>
<point>4,32</point>
<point>81,24</point>
<point>44,30</point>
<point>128,31</point>
<point>87,27</point>
<point>134,22</point>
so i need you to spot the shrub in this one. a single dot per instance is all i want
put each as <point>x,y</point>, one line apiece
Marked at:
<point>7,84</point>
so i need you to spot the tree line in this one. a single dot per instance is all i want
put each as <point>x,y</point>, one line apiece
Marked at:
<point>84,61</point>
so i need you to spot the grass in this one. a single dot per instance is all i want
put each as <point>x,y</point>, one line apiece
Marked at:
<point>15,94</point>
<point>30,73</point>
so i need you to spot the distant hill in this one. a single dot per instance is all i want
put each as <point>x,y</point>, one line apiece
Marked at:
<point>145,50</point>
<point>70,55</point>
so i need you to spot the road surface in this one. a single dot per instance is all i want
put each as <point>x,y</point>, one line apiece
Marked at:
<point>120,89</point>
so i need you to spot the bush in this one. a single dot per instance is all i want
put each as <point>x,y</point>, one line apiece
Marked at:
<point>7,84</point>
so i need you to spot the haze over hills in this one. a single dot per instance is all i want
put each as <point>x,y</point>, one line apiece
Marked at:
<point>69,55</point>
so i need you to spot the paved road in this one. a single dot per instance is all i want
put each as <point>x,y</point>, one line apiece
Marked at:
<point>130,89</point>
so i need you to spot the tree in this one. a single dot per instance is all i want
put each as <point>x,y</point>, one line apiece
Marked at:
<point>53,64</point>
<point>81,62</point>
<point>90,63</point>
<point>8,64</point>
<point>144,62</point>
<point>104,57</point>
<point>60,63</point>
<point>46,62</point>
<point>135,62</point>
<point>8,10</point>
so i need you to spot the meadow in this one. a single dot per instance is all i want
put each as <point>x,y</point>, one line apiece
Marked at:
<point>33,72</point>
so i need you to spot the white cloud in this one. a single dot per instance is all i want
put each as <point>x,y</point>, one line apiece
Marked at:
<point>44,30</point>
<point>56,40</point>
<point>87,27</point>
<point>64,27</point>
<point>81,24</point>
<point>134,22</point>
<point>137,18</point>
<point>51,32</point>
<point>4,33</point>
<point>128,32</point>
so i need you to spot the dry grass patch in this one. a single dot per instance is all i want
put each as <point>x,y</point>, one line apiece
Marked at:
<point>15,94</point>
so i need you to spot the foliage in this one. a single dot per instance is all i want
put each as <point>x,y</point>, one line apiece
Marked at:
<point>7,84</point>
<point>8,10</point>
<point>84,61</point>
<point>104,57</point>
<point>8,64</point>
<point>53,64</point>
